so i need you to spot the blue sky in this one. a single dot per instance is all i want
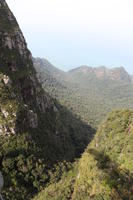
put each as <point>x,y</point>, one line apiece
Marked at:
<point>70,33</point>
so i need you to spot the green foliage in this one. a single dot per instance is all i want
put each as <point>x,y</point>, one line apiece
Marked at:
<point>23,169</point>
<point>89,97</point>
<point>62,189</point>
<point>105,169</point>
<point>35,158</point>
<point>31,156</point>
<point>31,160</point>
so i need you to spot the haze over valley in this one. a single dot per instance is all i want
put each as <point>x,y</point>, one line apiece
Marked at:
<point>64,135</point>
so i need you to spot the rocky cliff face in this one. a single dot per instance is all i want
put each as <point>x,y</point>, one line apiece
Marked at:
<point>36,133</point>
<point>17,74</point>
<point>103,73</point>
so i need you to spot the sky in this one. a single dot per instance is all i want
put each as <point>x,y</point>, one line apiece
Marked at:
<point>70,33</point>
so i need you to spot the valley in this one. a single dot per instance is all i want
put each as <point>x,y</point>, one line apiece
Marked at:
<point>90,93</point>
<point>63,135</point>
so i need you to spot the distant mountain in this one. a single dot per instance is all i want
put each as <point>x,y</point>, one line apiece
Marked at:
<point>90,92</point>
<point>42,135</point>
<point>102,73</point>
<point>44,64</point>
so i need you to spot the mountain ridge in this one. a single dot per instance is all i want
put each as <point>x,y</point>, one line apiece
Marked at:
<point>111,88</point>
<point>44,127</point>
<point>102,72</point>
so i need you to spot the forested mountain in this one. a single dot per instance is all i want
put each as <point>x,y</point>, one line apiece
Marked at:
<point>50,77</point>
<point>50,70</point>
<point>38,137</point>
<point>89,92</point>
<point>105,170</point>
<point>48,150</point>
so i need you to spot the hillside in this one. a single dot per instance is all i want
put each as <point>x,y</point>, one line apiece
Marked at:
<point>105,170</point>
<point>48,150</point>
<point>38,137</point>
<point>50,77</point>
<point>89,92</point>
<point>50,70</point>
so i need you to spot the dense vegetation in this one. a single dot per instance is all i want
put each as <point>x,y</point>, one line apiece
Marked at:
<point>39,138</point>
<point>61,189</point>
<point>31,159</point>
<point>105,171</point>
<point>88,92</point>
<point>42,138</point>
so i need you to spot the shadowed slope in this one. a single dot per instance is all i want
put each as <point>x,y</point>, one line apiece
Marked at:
<point>37,135</point>
<point>105,171</point>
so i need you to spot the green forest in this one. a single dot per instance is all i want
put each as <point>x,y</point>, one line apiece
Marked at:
<point>63,135</point>
<point>86,94</point>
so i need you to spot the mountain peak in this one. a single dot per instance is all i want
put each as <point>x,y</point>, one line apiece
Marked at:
<point>102,72</point>
<point>119,73</point>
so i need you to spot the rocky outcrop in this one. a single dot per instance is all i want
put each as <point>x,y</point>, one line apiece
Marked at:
<point>17,70</point>
<point>36,132</point>
<point>32,119</point>
<point>7,80</point>
<point>103,73</point>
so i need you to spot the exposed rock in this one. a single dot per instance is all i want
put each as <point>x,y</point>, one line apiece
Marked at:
<point>5,113</point>
<point>8,42</point>
<point>30,108</point>
<point>7,80</point>
<point>12,130</point>
<point>4,130</point>
<point>32,119</point>
<point>102,72</point>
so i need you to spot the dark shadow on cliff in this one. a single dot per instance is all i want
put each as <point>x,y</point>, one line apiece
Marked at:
<point>28,156</point>
<point>26,153</point>
<point>120,181</point>
<point>60,134</point>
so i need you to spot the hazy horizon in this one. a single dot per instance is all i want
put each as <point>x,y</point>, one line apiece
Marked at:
<point>71,33</point>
